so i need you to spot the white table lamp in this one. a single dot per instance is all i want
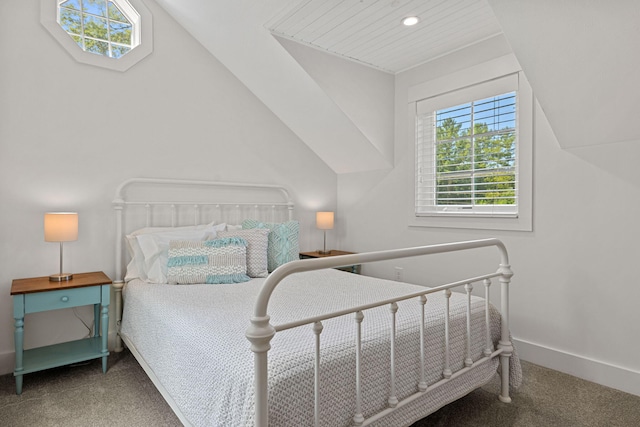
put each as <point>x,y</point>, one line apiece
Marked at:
<point>60,227</point>
<point>324,221</point>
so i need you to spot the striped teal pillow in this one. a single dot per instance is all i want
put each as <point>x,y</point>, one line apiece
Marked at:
<point>210,261</point>
<point>283,245</point>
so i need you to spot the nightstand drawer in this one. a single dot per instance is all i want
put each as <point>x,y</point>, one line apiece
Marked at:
<point>44,301</point>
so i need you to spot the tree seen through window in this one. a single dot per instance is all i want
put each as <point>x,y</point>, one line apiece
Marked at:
<point>97,26</point>
<point>475,153</point>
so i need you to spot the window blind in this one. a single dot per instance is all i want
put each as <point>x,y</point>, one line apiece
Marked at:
<point>466,151</point>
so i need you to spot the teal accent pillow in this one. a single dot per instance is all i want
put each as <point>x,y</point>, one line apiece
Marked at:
<point>211,261</point>
<point>283,244</point>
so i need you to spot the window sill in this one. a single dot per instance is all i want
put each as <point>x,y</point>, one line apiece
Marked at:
<point>466,221</point>
<point>468,215</point>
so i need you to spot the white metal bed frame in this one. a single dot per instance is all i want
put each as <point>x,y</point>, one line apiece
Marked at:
<point>261,331</point>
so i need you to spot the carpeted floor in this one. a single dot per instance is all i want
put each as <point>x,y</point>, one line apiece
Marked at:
<point>83,396</point>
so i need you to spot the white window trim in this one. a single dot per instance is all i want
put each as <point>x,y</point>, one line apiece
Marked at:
<point>462,79</point>
<point>49,19</point>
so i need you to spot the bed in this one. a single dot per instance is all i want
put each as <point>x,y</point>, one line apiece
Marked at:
<point>304,343</point>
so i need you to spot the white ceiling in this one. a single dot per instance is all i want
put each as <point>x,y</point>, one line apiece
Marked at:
<point>371,31</point>
<point>580,57</point>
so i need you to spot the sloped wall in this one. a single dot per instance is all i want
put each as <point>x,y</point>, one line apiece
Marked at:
<point>579,58</point>
<point>235,33</point>
<point>70,133</point>
<point>363,93</point>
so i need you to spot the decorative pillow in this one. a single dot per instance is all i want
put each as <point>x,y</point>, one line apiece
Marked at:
<point>155,248</point>
<point>257,244</point>
<point>212,261</point>
<point>136,267</point>
<point>283,241</point>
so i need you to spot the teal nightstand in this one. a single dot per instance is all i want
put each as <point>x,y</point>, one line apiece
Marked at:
<point>39,294</point>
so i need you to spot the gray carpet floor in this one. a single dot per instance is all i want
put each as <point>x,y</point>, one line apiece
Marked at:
<point>82,396</point>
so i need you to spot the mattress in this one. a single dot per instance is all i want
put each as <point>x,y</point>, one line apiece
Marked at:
<point>192,338</point>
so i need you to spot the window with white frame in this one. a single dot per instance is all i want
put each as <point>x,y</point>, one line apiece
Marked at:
<point>114,34</point>
<point>468,149</point>
<point>103,27</point>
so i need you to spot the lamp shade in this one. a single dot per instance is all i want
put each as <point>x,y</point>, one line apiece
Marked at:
<point>60,226</point>
<point>324,220</point>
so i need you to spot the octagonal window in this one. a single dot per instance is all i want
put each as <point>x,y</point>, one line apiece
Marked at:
<point>103,27</point>
<point>103,33</point>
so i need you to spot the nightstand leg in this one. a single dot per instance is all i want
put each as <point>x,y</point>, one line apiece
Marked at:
<point>18,384</point>
<point>96,319</point>
<point>104,323</point>
<point>19,341</point>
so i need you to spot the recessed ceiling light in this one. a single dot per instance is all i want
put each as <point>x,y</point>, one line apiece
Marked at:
<point>410,20</point>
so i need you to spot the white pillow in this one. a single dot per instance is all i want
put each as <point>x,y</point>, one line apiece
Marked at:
<point>148,248</point>
<point>257,244</point>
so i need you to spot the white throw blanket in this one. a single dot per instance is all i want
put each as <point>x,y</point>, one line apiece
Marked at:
<point>192,337</point>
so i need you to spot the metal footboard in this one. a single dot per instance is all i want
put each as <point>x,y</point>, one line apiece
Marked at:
<point>262,331</point>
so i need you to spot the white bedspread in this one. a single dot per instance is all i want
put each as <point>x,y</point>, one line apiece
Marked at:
<point>192,337</point>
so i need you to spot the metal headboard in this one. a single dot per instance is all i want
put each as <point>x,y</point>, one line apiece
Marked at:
<point>274,204</point>
<point>267,209</point>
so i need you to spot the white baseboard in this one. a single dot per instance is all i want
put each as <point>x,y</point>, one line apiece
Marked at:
<point>592,370</point>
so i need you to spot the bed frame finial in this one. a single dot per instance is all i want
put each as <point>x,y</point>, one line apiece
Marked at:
<point>259,335</point>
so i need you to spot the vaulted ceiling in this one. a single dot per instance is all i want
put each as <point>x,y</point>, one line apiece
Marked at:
<point>371,32</point>
<point>579,56</point>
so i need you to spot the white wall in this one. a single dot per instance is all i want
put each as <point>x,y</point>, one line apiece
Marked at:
<point>70,133</point>
<point>574,294</point>
<point>362,92</point>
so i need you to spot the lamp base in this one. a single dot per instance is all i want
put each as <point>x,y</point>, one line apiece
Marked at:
<point>324,252</point>
<point>62,277</point>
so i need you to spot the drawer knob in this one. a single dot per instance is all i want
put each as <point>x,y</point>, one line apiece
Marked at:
<point>64,299</point>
